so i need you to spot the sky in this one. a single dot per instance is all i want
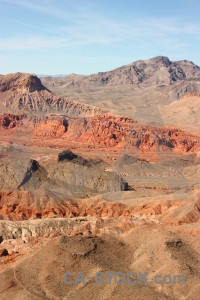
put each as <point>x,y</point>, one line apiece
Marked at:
<point>88,36</point>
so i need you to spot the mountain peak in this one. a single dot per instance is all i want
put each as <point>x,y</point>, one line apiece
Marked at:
<point>160,59</point>
<point>23,81</point>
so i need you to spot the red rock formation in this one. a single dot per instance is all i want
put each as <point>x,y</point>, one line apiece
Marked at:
<point>22,205</point>
<point>50,129</point>
<point>117,132</point>
<point>102,132</point>
<point>10,120</point>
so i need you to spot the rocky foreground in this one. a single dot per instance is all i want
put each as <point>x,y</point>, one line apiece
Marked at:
<point>79,215</point>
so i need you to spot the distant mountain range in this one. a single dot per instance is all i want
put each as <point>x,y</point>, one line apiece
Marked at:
<point>155,71</point>
<point>143,90</point>
<point>47,75</point>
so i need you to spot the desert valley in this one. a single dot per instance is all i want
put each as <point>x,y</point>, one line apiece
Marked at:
<point>100,173</point>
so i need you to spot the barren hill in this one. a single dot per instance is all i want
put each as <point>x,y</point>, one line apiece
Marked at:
<point>24,93</point>
<point>156,71</point>
<point>184,112</point>
<point>138,90</point>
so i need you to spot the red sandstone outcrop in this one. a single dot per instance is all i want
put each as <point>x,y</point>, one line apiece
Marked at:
<point>106,131</point>
<point>102,131</point>
<point>10,120</point>
<point>50,129</point>
<point>22,205</point>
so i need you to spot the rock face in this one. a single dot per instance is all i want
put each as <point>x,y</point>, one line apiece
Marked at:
<point>66,179</point>
<point>113,132</point>
<point>16,173</point>
<point>156,71</point>
<point>100,131</point>
<point>10,120</point>
<point>165,209</point>
<point>143,90</point>
<point>51,129</point>
<point>67,155</point>
<point>25,93</point>
<point>3,252</point>
<point>20,82</point>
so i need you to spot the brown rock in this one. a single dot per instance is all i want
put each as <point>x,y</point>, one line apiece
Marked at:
<point>4,252</point>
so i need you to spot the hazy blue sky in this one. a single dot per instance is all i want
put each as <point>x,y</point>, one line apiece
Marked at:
<point>82,36</point>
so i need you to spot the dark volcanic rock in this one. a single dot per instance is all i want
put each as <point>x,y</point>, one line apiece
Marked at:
<point>66,155</point>
<point>71,177</point>
<point>4,252</point>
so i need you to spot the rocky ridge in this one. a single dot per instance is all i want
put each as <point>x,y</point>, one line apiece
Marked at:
<point>155,71</point>
<point>102,131</point>
<point>24,93</point>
